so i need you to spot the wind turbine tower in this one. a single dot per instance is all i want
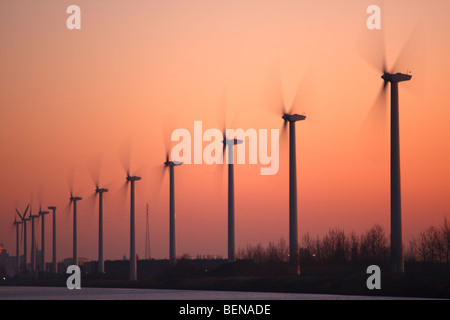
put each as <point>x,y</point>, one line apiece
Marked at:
<point>42,214</point>
<point>24,226</point>
<point>303,98</point>
<point>231,203</point>
<point>397,259</point>
<point>101,264</point>
<point>16,223</point>
<point>33,243</point>
<point>54,265</point>
<point>133,268</point>
<point>293,220</point>
<point>172,241</point>
<point>147,238</point>
<point>75,248</point>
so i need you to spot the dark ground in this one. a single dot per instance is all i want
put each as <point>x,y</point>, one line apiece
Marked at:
<point>236,277</point>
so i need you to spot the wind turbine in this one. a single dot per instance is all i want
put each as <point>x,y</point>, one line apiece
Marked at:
<point>33,242</point>
<point>293,220</point>
<point>388,76</point>
<point>101,263</point>
<point>24,228</point>
<point>230,143</point>
<point>172,243</point>
<point>16,223</point>
<point>94,169</point>
<point>171,164</point>
<point>147,238</point>
<point>277,105</point>
<point>54,265</point>
<point>125,158</point>
<point>73,201</point>
<point>133,267</point>
<point>42,214</point>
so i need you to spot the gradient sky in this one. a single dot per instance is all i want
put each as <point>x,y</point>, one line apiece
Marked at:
<point>68,96</point>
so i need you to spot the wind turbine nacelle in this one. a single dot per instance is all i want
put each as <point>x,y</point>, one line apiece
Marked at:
<point>398,77</point>
<point>173,163</point>
<point>293,117</point>
<point>101,190</point>
<point>52,208</point>
<point>133,178</point>
<point>233,141</point>
<point>75,198</point>
<point>43,212</point>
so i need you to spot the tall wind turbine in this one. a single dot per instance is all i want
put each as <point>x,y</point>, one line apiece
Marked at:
<point>33,242</point>
<point>171,164</point>
<point>94,169</point>
<point>101,263</point>
<point>133,267</point>
<point>397,262</point>
<point>17,223</point>
<point>276,104</point>
<point>73,201</point>
<point>293,220</point>
<point>125,155</point>
<point>172,242</point>
<point>54,264</point>
<point>379,62</point>
<point>229,142</point>
<point>147,237</point>
<point>24,228</point>
<point>42,214</point>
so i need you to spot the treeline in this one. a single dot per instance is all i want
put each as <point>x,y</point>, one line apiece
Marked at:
<point>339,251</point>
<point>432,246</point>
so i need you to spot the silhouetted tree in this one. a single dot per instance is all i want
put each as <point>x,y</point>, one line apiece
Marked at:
<point>335,246</point>
<point>354,247</point>
<point>259,254</point>
<point>446,240</point>
<point>431,246</point>
<point>374,245</point>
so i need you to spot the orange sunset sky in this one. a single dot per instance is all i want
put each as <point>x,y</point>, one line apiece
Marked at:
<point>68,96</point>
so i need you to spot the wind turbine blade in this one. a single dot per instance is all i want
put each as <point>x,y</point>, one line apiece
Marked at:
<point>26,210</point>
<point>40,195</point>
<point>373,133</point>
<point>124,154</point>
<point>371,47</point>
<point>160,173</point>
<point>224,144</point>
<point>272,92</point>
<point>122,192</point>
<point>141,170</point>
<point>94,166</point>
<point>121,196</point>
<point>70,178</point>
<point>169,123</point>
<point>12,228</point>
<point>222,108</point>
<point>413,59</point>
<point>19,214</point>
<point>284,130</point>
<point>413,51</point>
<point>90,204</point>
<point>67,207</point>
<point>222,116</point>
<point>304,98</point>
